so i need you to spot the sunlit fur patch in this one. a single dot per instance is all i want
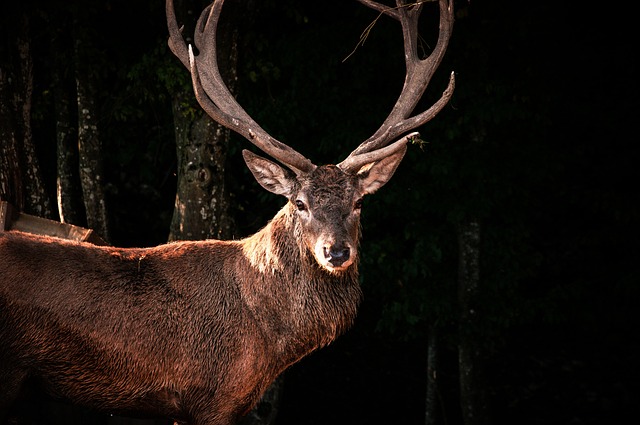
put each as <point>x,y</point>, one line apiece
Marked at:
<point>261,249</point>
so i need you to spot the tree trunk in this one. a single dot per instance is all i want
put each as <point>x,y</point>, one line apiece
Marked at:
<point>202,205</point>
<point>202,201</point>
<point>433,400</point>
<point>20,176</point>
<point>11,188</point>
<point>37,201</point>
<point>473,389</point>
<point>89,141</point>
<point>68,187</point>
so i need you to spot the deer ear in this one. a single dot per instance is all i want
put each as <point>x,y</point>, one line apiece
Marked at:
<point>270,175</point>
<point>376,174</point>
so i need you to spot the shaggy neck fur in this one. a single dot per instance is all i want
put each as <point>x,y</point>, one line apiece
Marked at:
<point>302,304</point>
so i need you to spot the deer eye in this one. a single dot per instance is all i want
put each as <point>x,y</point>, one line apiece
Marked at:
<point>300,205</point>
<point>358,204</point>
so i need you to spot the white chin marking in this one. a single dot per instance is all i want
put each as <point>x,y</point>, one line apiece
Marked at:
<point>333,269</point>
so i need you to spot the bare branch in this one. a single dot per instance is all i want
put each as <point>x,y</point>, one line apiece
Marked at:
<point>383,9</point>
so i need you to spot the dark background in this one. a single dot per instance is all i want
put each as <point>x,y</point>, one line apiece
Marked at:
<point>539,144</point>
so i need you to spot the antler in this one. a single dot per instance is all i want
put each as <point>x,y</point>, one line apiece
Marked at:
<point>417,78</point>
<point>216,99</point>
<point>213,94</point>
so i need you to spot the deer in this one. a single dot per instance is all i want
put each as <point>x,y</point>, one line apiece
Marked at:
<point>196,331</point>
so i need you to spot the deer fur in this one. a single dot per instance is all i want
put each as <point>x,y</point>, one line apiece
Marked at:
<point>194,331</point>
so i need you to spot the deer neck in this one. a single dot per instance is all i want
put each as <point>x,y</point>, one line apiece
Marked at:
<point>304,306</point>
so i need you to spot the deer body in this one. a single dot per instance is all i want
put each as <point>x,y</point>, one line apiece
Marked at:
<point>187,329</point>
<point>153,330</point>
<point>196,331</point>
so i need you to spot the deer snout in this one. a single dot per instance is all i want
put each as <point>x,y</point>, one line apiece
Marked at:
<point>337,255</point>
<point>334,256</point>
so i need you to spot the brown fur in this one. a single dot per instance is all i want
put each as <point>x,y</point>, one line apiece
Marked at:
<point>191,330</point>
<point>195,331</point>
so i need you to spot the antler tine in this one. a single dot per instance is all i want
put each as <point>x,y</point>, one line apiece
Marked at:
<point>212,93</point>
<point>176,40</point>
<point>418,75</point>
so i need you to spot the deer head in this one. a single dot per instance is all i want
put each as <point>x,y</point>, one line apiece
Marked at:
<point>326,199</point>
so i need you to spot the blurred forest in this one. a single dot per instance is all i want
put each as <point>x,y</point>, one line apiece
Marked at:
<point>536,146</point>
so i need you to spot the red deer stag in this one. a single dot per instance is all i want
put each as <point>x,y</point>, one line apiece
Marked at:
<point>196,331</point>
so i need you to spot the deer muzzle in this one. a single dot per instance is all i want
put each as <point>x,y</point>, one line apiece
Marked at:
<point>334,256</point>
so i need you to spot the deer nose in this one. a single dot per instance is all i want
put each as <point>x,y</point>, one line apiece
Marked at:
<point>337,254</point>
